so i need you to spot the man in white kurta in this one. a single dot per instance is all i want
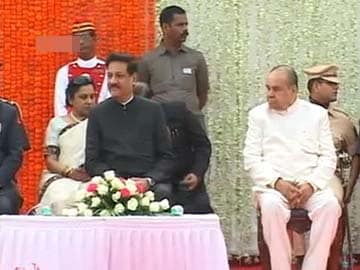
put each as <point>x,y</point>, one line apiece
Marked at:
<point>290,156</point>
<point>86,63</point>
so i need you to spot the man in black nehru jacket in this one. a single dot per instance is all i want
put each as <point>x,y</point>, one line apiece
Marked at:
<point>128,134</point>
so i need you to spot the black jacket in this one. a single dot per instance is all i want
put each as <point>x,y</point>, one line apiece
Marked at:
<point>13,141</point>
<point>191,145</point>
<point>131,139</point>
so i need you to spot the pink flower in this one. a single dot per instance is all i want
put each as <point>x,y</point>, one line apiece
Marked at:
<point>140,187</point>
<point>92,187</point>
<point>125,193</point>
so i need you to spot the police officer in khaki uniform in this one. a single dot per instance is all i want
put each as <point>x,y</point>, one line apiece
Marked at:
<point>323,86</point>
<point>13,142</point>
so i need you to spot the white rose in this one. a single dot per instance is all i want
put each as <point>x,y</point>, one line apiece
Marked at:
<point>97,180</point>
<point>119,208</point>
<point>72,212</point>
<point>104,213</point>
<point>154,207</point>
<point>132,204</point>
<point>95,202</point>
<point>81,207</point>
<point>109,175</point>
<point>88,213</point>
<point>102,189</point>
<point>145,201</point>
<point>80,195</point>
<point>164,204</point>
<point>116,196</point>
<point>150,195</point>
<point>117,184</point>
<point>64,212</point>
<point>131,186</point>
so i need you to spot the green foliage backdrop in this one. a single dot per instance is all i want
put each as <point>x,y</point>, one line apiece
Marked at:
<point>242,40</point>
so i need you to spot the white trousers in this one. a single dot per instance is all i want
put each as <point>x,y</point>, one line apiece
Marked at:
<point>324,211</point>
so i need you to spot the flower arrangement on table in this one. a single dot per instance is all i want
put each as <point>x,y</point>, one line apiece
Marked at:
<point>113,196</point>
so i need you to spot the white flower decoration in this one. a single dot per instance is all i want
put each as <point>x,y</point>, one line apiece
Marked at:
<point>81,207</point>
<point>131,186</point>
<point>150,195</point>
<point>154,207</point>
<point>104,213</point>
<point>119,208</point>
<point>116,196</point>
<point>145,201</point>
<point>102,189</point>
<point>132,204</point>
<point>109,175</point>
<point>95,202</point>
<point>88,213</point>
<point>164,204</point>
<point>97,180</point>
<point>117,184</point>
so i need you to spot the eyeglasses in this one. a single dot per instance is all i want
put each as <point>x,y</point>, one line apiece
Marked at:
<point>83,79</point>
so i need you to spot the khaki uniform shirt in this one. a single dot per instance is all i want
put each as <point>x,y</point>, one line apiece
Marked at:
<point>343,131</point>
<point>345,139</point>
<point>175,77</point>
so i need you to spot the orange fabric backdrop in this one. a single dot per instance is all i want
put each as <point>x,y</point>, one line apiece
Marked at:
<point>27,75</point>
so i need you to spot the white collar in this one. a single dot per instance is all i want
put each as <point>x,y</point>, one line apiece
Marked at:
<point>128,101</point>
<point>87,63</point>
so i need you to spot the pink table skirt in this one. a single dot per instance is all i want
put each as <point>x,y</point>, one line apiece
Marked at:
<point>190,242</point>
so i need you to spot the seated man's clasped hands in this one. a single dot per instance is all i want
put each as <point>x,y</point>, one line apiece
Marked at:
<point>297,194</point>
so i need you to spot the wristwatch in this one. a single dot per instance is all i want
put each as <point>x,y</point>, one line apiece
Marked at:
<point>150,181</point>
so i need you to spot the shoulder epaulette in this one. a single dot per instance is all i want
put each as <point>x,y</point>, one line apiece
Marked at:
<point>16,105</point>
<point>336,109</point>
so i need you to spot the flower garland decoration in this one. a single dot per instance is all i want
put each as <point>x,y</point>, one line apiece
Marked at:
<point>113,196</point>
<point>28,75</point>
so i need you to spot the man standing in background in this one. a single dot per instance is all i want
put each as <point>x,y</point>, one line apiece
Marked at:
<point>173,71</point>
<point>323,86</point>
<point>86,63</point>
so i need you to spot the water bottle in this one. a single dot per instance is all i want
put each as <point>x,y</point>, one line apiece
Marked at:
<point>46,211</point>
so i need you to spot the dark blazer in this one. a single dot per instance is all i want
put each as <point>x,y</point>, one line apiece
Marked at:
<point>191,145</point>
<point>13,141</point>
<point>131,139</point>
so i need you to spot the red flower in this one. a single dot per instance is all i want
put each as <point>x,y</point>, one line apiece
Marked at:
<point>125,193</point>
<point>92,187</point>
<point>140,187</point>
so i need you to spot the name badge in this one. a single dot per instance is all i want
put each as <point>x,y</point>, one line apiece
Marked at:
<point>187,71</point>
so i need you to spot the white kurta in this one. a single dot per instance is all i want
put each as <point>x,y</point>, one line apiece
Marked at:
<point>62,81</point>
<point>296,145</point>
